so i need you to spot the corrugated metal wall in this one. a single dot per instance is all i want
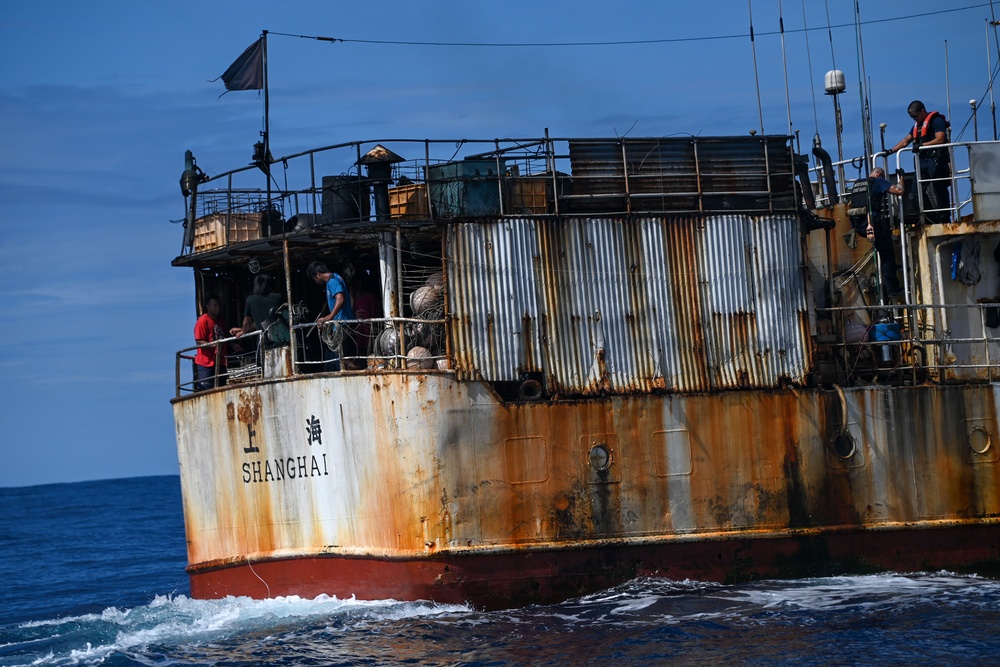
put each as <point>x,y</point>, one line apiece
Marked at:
<point>615,305</point>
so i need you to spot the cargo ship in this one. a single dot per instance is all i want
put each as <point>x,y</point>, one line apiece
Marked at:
<point>577,361</point>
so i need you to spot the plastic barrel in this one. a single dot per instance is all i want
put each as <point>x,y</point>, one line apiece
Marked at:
<point>885,331</point>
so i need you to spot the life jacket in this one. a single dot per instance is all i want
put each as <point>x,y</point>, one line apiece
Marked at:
<point>922,131</point>
<point>861,196</point>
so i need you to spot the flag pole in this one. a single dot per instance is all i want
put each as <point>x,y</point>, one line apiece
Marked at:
<point>267,121</point>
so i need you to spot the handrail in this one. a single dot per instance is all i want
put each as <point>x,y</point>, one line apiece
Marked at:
<point>219,379</point>
<point>959,179</point>
<point>921,346</point>
<point>415,330</point>
<point>922,342</point>
<point>518,177</point>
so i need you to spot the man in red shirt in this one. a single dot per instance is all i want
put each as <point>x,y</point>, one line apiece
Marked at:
<point>209,328</point>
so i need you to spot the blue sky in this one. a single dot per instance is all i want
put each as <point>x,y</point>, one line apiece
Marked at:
<point>99,101</point>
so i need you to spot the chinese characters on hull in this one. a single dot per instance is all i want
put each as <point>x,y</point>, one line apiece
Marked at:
<point>289,468</point>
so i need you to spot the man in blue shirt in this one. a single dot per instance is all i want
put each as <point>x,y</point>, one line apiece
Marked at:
<point>338,299</point>
<point>879,229</point>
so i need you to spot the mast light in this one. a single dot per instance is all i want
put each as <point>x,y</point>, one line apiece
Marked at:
<point>834,82</point>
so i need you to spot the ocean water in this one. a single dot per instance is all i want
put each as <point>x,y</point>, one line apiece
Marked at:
<point>93,574</point>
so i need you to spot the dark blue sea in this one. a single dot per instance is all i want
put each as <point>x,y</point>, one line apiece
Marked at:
<point>93,574</point>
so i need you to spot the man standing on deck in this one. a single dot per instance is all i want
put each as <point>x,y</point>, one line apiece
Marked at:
<point>338,299</point>
<point>930,129</point>
<point>209,328</point>
<point>876,224</point>
<point>259,313</point>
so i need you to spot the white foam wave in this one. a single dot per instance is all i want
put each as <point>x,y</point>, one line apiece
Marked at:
<point>863,592</point>
<point>170,621</point>
<point>646,601</point>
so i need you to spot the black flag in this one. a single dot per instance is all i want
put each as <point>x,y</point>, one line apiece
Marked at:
<point>247,72</point>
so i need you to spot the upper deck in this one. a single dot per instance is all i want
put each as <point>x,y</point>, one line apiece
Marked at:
<point>363,186</point>
<point>585,266</point>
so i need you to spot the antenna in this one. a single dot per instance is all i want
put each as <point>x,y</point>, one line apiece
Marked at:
<point>812,89</point>
<point>834,85</point>
<point>784,64</point>
<point>947,80</point>
<point>989,77</point>
<point>753,47</point>
<point>863,92</point>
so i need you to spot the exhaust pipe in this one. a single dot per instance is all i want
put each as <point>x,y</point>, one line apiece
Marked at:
<point>831,181</point>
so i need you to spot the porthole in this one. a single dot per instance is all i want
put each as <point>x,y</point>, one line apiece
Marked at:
<point>600,457</point>
<point>980,440</point>
<point>844,446</point>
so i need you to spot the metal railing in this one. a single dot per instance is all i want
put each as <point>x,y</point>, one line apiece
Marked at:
<point>508,177</point>
<point>912,343</point>
<point>241,363</point>
<point>900,344</point>
<point>959,179</point>
<point>370,345</point>
<point>376,344</point>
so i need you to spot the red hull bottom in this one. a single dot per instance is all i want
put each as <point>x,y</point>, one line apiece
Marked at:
<point>493,581</point>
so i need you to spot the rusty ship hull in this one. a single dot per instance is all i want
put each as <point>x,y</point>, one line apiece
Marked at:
<point>582,361</point>
<point>445,493</point>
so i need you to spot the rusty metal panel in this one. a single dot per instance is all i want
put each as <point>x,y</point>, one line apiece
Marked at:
<point>756,305</point>
<point>682,339</point>
<point>575,347</point>
<point>493,290</point>
<point>620,306</point>
<point>441,465</point>
<point>599,339</point>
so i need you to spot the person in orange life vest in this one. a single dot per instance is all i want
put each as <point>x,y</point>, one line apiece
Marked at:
<point>209,328</point>
<point>930,129</point>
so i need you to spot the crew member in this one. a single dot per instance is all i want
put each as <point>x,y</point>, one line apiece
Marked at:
<point>259,312</point>
<point>338,299</point>
<point>930,129</point>
<point>879,229</point>
<point>210,362</point>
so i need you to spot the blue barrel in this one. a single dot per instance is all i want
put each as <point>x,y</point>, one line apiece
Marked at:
<point>885,331</point>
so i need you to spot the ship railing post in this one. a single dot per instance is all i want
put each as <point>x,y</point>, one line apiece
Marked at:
<point>550,158</point>
<point>215,368</point>
<point>628,197</point>
<point>401,343</point>
<point>767,175</point>
<point>444,312</point>
<point>954,213</point>
<point>920,185</point>
<point>500,175</point>
<point>288,295</point>
<point>316,206</point>
<point>697,176</point>
<point>229,204</point>
<point>427,180</point>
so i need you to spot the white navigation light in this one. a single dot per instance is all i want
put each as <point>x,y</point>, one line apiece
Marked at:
<point>834,82</point>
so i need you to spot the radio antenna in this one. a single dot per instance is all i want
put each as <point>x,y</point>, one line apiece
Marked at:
<point>753,48</point>
<point>812,88</point>
<point>784,64</point>
<point>989,77</point>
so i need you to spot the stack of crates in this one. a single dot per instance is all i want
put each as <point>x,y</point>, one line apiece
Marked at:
<point>409,201</point>
<point>210,231</point>
<point>531,194</point>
